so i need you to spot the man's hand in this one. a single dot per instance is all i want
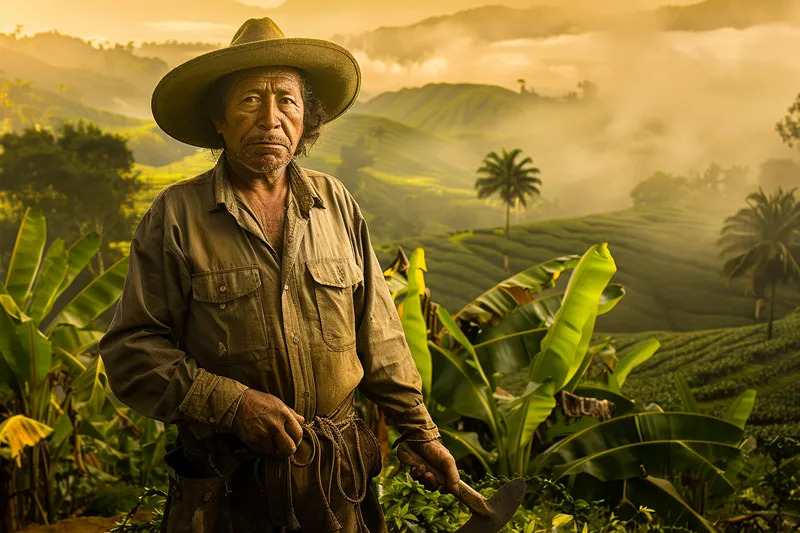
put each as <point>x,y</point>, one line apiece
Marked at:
<point>438,456</point>
<point>267,425</point>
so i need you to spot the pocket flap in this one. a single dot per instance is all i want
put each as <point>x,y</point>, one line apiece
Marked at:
<point>335,272</point>
<point>225,285</point>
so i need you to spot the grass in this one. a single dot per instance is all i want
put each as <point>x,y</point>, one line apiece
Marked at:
<point>719,364</point>
<point>667,260</point>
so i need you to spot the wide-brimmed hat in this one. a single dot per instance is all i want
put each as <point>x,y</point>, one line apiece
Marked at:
<point>179,100</point>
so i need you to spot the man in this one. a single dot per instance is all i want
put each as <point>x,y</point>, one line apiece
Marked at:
<point>254,305</point>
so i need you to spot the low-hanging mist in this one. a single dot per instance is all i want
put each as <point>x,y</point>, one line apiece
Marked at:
<point>671,101</point>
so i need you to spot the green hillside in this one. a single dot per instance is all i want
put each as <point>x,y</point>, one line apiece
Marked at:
<point>445,107</point>
<point>111,78</point>
<point>418,182</point>
<point>666,259</point>
<point>719,364</point>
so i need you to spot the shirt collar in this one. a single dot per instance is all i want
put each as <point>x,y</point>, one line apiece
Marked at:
<point>303,190</point>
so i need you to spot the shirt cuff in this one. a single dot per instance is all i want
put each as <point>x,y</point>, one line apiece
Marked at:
<point>415,425</point>
<point>212,399</point>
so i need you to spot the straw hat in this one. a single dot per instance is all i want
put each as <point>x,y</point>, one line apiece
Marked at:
<point>179,99</point>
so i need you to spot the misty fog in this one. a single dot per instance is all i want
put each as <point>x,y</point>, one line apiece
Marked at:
<point>672,101</point>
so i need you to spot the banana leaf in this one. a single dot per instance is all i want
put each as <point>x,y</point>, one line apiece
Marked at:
<point>565,344</point>
<point>413,320</point>
<point>515,291</point>
<point>741,408</point>
<point>462,443</point>
<point>90,389</point>
<point>79,255</point>
<point>635,428</point>
<point>508,346</point>
<point>637,355</point>
<point>26,351</point>
<point>462,389</point>
<point>688,401</point>
<point>611,296</point>
<point>657,458</point>
<point>18,432</point>
<point>524,417</point>
<point>95,299</point>
<point>75,341</point>
<point>396,275</point>
<point>52,273</point>
<point>26,256</point>
<point>659,494</point>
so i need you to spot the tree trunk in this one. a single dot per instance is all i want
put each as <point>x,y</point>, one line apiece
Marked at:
<point>771,309</point>
<point>508,216</point>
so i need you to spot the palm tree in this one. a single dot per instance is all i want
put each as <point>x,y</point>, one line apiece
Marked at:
<point>514,181</point>
<point>762,242</point>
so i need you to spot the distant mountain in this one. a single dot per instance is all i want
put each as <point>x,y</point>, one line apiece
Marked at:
<point>494,23</point>
<point>115,87</point>
<point>445,107</point>
<point>23,104</point>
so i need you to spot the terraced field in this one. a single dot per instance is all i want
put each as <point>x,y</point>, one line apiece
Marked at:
<point>667,260</point>
<point>719,364</point>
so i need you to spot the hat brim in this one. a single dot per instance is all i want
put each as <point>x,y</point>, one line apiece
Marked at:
<point>178,102</point>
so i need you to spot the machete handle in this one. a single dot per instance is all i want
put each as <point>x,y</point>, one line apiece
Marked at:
<point>466,494</point>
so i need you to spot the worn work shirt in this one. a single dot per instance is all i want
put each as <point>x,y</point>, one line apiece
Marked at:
<point>209,309</point>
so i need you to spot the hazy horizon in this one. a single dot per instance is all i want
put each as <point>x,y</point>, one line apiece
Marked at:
<point>671,100</point>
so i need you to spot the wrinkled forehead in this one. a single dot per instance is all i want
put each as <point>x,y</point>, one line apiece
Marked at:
<point>286,78</point>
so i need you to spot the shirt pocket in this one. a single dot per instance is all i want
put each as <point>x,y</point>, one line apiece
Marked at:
<point>230,314</point>
<point>334,281</point>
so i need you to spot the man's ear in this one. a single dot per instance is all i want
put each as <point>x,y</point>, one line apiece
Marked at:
<point>217,125</point>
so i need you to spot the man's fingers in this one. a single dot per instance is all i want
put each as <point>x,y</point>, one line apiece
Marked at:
<point>293,429</point>
<point>284,444</point>
<point>300,419</point>
<point>451,472</point>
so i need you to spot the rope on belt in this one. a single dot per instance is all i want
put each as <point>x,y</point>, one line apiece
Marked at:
<point>325,428</point>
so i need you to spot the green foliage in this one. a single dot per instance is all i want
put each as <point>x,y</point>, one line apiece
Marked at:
<point>789,126</point>
<point>668,264</point>
<point>779,172</point>
<point>762,243</point>
<point>720,365</point>
<point>715,187</point>
<point>82,178</point>
<point>50,374</point>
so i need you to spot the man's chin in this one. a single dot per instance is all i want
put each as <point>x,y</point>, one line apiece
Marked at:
<point>263,165</point>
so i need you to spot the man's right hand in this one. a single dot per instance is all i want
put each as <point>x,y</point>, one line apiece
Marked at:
<point>266,424</point>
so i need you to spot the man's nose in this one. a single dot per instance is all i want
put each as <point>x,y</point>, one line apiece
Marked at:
<point>269,119</point>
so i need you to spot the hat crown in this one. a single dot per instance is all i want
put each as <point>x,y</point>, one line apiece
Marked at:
<point>254,30</point>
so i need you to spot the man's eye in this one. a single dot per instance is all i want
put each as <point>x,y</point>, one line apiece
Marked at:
<point>287,100</point>
<point>250,100</point>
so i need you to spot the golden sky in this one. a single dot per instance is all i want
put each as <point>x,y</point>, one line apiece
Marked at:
<point>217,20</point>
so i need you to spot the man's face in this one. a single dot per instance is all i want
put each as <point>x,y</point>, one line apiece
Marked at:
<point>263,117</point>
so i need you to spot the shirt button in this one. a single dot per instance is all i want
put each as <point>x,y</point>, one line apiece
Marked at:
<point>222,306</point>
<point>306,394</point>
<point>286,287</point>
<point>223,288</point>
<point>296,338</point>
<point>212,419</point>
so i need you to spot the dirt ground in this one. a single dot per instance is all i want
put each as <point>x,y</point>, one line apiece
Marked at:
<point>83,524</point>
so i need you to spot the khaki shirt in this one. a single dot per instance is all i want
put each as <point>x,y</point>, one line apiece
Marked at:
<point>208,310</point>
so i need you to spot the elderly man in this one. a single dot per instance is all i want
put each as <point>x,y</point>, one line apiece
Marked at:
<point>254,305</point>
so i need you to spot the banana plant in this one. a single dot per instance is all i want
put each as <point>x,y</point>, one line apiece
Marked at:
<point>47,326</point>
<point>507,328</point>
<point>631,457</point>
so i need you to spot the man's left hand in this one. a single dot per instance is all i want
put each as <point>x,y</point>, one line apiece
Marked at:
<point>438,456</point>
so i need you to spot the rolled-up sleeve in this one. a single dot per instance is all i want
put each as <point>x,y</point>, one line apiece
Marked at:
<point>391,379</point>
<point>146,369</point>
